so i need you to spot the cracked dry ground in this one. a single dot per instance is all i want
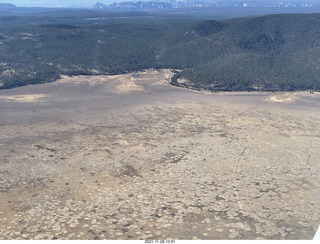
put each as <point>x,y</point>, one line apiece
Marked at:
<point>158,163</point>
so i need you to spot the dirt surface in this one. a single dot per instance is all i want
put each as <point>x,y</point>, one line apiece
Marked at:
<point>123,157</point>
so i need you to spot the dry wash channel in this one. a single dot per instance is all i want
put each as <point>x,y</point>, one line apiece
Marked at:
<point>130,157</point>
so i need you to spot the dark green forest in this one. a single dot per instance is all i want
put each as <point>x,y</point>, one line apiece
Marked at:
<point>267,53</point>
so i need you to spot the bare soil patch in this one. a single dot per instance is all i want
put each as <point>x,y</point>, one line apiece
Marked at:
<point>27,98</point>
<point>131,157</point>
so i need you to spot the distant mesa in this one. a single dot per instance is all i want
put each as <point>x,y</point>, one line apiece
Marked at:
<point>131,5</point>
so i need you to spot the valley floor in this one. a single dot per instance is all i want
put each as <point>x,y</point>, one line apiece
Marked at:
<point>124,157</point>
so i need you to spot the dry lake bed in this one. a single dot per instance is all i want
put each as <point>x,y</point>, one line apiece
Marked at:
<point>123,157</point>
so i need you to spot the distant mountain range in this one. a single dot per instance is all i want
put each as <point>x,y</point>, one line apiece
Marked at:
<point>130,5</point>
<point>7,5</point>
<point>174,4</point>
<point>133,5</point>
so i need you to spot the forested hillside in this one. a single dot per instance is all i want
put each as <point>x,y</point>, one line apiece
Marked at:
<point>273,52</point>
<point>276,52</point>
<point>41,53</point>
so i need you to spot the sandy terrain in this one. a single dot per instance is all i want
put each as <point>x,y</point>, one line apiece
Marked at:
<point>123,157</point>
<point>23,98</point>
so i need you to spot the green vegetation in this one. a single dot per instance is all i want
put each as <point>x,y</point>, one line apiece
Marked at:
<point>273,52</point>
<point>276,52</point>
<point>38,54</point>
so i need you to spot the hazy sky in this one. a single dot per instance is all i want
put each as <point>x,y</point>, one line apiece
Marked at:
<point>87,3</point>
